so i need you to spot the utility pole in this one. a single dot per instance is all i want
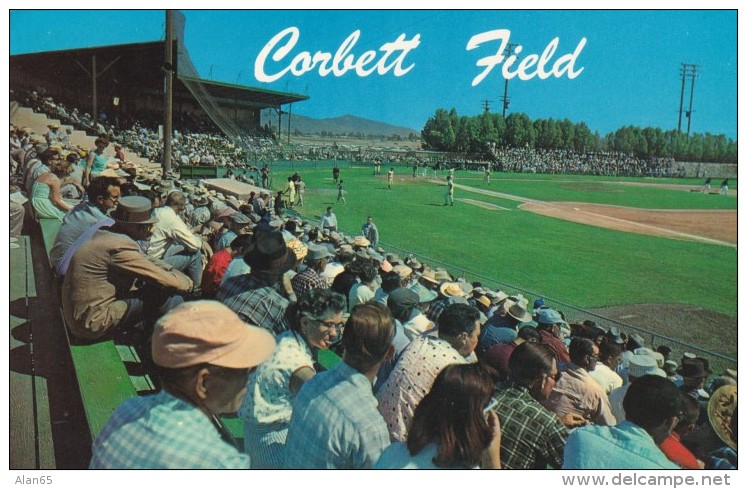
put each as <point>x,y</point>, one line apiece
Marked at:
<point>686,71</point>
<point>168,66</point>
<point>506,101</point>
<point>290,109</point>
<point>486,105</point>
<point>692,91</point>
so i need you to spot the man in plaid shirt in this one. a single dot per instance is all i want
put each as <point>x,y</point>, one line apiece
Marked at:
<point>255,297</point>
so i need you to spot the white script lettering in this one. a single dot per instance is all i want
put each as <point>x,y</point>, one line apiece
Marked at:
<point>531,66</point>
<point>337,64</point>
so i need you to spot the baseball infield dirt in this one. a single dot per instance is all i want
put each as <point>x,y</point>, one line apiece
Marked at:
<point>708,226</point>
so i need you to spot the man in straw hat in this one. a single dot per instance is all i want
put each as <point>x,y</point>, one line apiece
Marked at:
<point>176,244</point>
<point>254,296</point>
<point>97,294</point>
<point>204,354</point>
<point>652,405</point>
<point>715,441</point>
<point>503,329</point>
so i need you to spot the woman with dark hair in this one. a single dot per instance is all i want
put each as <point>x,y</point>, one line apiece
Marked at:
<point>96,160</point>
<point>315,322</point>
<point>46,196</point>
<point>450,428</point>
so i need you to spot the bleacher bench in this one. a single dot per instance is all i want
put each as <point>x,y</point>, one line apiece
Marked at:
<point>108,374</point>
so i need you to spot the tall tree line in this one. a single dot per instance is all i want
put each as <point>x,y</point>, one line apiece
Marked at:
<point>448,131</point>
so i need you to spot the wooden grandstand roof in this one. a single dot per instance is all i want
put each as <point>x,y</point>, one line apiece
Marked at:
<point>133,67</point>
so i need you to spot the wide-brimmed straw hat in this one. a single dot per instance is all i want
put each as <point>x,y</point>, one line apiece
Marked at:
<point>721,409</point>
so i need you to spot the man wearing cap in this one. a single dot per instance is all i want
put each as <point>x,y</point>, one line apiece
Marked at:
<point>694,373</point>
<point>204,354</point>
<point>652,405</point>
<point>329,221</point>
<point>370,232</point>
<point>80,222</point>
<point>549,322</point>
<point>255,296</point>
<point>335,423</point>
<point>97,295</point>
<point>418,323</point>
<point>237,224</point>
<point>173,241</point>
<point>421,362</point>
<point>316,261</point>
<point>576,392</point>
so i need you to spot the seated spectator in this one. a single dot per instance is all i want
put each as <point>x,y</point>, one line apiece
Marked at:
<point>498,356</point>
<point>401,303</point>
<point>652,405</point>
<point>610,356</point>
<point>316,261</point>
<point>237,224</point>
<point>46,196</point>
<point>96,161</point>
<point>577,392</point>
<point>715,441</point>
<point>420,363</point>
<point>638,366</point>
<point>254,296</point>
<point>672,445</point>
<point>98,299</point>
<point>450,429</point>
<point>531,436</point>
<point>389,281</point>
<point>503,328</point>
<point>315,323</point>
<point>83,220</point>
<point>204,354</point>
<point>418,323</point>
<point>218,264</point>
<point>173,242</point>
<point>335,423</point>
<point>363,291</point>
<point>549,324</point>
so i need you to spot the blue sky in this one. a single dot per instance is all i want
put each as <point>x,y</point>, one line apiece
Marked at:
<point>631,60</point>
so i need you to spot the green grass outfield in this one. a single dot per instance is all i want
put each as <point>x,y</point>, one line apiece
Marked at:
<point>583,265</point>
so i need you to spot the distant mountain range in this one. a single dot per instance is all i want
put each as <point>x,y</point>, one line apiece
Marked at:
<point>344,125</point>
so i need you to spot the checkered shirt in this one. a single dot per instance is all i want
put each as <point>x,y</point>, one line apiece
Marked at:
<point>255,301</point>
<point>162,432</point>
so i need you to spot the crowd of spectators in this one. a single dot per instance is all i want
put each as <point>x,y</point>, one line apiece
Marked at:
<point>236,300</point>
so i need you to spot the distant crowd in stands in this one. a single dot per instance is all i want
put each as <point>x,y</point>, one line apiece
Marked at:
<point>233,301</point>
<point>199,142</point>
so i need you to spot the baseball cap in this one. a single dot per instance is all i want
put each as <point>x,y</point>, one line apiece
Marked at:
<point>549,316</point>
<point>208,332</point>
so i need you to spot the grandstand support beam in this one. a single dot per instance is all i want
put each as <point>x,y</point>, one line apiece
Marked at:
<point>290,109</point>
<point>168,93</point>
<point>94,94</point>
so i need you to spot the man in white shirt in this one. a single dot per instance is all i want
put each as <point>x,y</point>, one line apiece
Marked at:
<point>329,220</point>
<point>174,243</point>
